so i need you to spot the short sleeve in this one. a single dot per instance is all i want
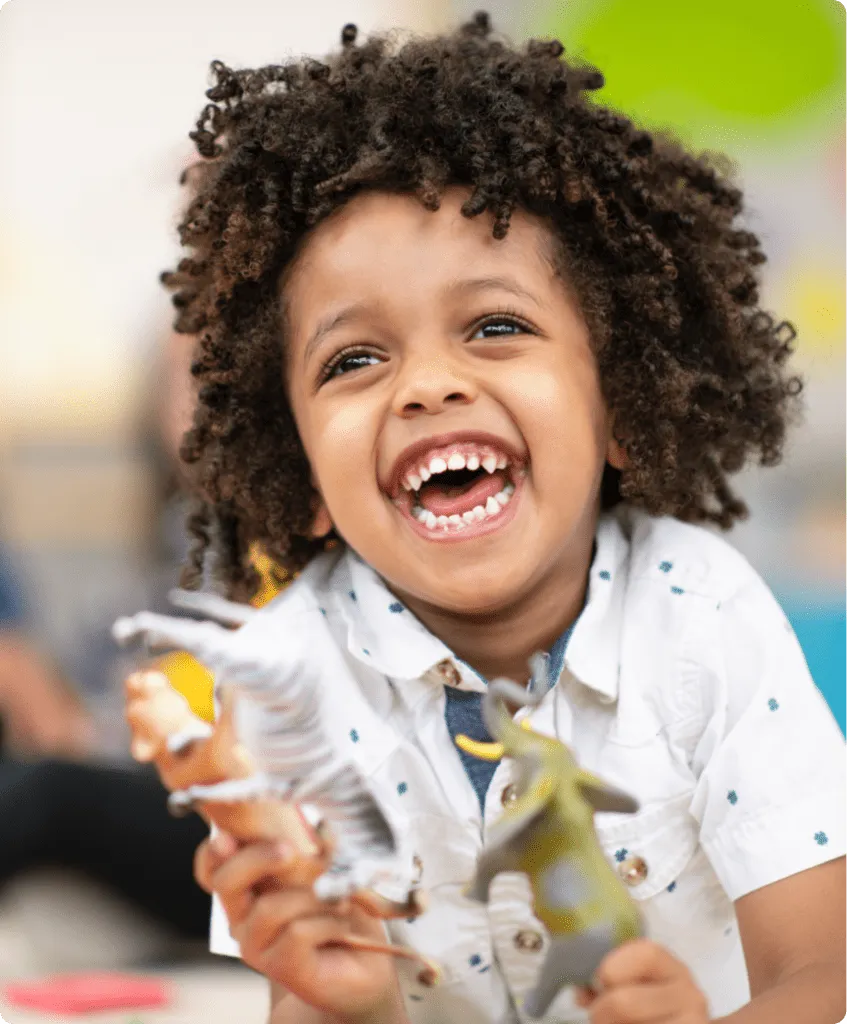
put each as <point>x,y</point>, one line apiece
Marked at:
<point>770,796</point>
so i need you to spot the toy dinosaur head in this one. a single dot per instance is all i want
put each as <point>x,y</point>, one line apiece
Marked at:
<point>546,768</point>
<point>531,751</point>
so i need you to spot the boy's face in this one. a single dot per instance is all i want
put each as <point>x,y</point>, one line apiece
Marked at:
<point>416,338</point>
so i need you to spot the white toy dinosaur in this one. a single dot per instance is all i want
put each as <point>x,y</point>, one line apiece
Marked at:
<point>267,760</point>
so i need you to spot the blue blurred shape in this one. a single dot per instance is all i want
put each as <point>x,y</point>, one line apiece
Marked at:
<point>820,622</point>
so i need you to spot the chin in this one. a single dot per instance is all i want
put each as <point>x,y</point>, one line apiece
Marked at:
<point>476,591</point>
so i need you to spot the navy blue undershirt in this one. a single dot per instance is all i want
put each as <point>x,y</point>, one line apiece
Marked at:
<point>463,714</point>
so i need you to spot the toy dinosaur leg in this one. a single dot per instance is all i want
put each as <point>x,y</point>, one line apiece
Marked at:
<point>491,862</point>
<point>230,791</point>
<point>178,742</point>
<point>429,973</point>
<point>570,960</point>
<point>380,906</point>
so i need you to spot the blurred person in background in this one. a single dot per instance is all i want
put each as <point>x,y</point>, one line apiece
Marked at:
<point>40,713</point>
<point>58,805</point>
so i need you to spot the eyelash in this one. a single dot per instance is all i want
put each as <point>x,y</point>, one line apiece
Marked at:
<point>498,317</point>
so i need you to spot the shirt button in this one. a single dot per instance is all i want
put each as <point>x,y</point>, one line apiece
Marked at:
<point>449,673</point>
<point>417,864</point>
<point>509,794</point>
<point>528,941</point>
<point>633,870</point>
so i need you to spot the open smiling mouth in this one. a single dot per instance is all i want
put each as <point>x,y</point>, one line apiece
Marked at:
<point>468,495</point>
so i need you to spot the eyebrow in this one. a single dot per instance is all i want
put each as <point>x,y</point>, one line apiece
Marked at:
<point>504,284</point>
<point>477,284</point>
<point>329,324</point>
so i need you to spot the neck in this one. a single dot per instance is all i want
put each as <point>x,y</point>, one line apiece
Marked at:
<point>500,643</point>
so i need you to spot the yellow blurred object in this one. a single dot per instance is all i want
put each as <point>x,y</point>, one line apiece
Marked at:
<point>815,303</point>
<point>193,680</point>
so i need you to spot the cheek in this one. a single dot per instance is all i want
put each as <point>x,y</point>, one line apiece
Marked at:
<point>561,411</point>
<point>340,448</point>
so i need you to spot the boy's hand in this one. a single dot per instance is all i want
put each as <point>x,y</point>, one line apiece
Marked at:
<point>640,982</point>
<point>287,933</point>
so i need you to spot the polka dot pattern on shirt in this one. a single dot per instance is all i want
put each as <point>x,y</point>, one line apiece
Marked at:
<point>621,855</point>
<point>821,838</point>
<point>732,796</point>
<point>605,575</point>
<point>396,607</point>
<point>773,704</point>
<point>665,566</point>
<point>401,788</point>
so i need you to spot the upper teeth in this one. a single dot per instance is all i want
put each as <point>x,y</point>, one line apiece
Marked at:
<point>414,478</point>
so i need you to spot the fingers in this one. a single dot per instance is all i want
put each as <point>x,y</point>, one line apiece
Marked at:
<point>638,960</point>
<point>297,913</point>
<point>640,1004</point>
<point>211,853</point>
<point>640,982</point>
<point>237,876</point>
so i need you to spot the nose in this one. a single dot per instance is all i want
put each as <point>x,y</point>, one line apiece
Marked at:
<point>430,383</point>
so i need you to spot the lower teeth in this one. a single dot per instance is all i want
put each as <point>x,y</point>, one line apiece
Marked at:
<point>474,515</point>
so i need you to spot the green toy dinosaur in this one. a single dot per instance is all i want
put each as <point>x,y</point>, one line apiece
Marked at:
<point>548,834</point>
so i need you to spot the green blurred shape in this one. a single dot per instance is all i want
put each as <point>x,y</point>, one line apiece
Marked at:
<point>714,69</point>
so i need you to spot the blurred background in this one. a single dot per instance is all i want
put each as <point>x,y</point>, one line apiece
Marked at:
<point>96,100</point>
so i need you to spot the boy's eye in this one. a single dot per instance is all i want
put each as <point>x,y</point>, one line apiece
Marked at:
<point>500,327</point>
<point>344,362</point>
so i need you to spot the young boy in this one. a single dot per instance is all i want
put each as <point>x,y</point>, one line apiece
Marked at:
<point>476,357</point>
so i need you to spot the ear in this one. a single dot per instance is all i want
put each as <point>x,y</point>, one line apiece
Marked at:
<point>321,519</point>
<point>615,453</point>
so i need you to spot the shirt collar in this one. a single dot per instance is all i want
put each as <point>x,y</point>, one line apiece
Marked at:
<point>593,651</point>
<point>384,634</point>
<point>381,631</point>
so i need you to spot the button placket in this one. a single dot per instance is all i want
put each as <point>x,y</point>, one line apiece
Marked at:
<point>449,673</point>
<point>633,870</point>
<point>509,794</point>
<point>527,940</point>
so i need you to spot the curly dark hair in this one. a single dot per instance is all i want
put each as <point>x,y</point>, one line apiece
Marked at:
<point>691,368</point>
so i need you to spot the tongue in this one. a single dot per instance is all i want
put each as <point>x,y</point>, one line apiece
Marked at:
<point>453,501</point>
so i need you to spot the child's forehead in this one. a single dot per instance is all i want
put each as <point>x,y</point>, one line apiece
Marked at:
<point>375,230</point>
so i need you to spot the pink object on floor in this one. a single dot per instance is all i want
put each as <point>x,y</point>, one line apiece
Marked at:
<point>83,993</point>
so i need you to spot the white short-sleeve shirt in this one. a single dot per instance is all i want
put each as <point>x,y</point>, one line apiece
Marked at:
<point>687,688</point>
